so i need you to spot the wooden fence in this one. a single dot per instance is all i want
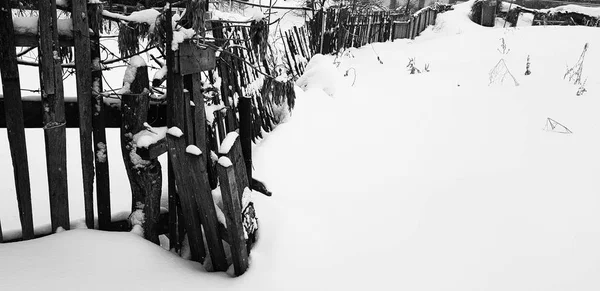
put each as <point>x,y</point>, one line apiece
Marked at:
<point>228,67</point>
<point>250,100</point>
<point>336,29</point>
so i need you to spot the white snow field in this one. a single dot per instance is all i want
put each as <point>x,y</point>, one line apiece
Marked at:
<point>431,181</point>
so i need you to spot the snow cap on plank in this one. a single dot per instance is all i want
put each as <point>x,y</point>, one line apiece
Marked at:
<point>228,142</point>
<point>194,150</point>
<point>175,131</point>
<point>225,162</point>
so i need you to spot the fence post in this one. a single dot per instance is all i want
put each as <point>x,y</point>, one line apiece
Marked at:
<point>98,122</point>
<point>323,20</point>
<point>488,13</point>
<point>83,61</point>
<point>54,114</point>
<point>233,214</point>
<point>245,110</point>
<point>13,109</point>
<point>145,176</point>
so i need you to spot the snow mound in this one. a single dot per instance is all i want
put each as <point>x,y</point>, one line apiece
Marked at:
<point>320,73</point>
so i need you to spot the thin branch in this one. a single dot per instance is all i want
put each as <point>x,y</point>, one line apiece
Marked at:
<point>35,64</point>
<point>274,7</point>
<point>241,59</point>
<point>127,57</point>
<point>26,51</point>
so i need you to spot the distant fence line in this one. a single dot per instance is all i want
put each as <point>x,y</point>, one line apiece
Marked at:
<point>335,29</point>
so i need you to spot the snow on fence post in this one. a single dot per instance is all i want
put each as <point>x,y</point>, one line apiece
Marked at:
<point>83,61</point>
<point>232,149</point>
<point>98,122</point>
<point>54,114</point>
<point>190,170</point>
<point>145,176</point>
<point>13,109</point>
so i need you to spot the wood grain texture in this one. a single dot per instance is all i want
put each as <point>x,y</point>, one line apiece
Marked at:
<point>245,111</point>
<point>83,63</point>
<point>14,120</point>
<point>99,129</point>
<point>177,156</point>
<point>54,114</point>
<point>145,176</point>
<point>233,215</point>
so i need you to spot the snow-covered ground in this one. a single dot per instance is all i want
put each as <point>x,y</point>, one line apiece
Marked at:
<point>431,181</point>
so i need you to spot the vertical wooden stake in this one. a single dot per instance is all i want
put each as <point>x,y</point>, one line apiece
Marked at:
<point>174,234</point>
<point>233,215</point>
<point>323,21</point>
<point>83,63</point>
<point>99,130</point>
<point>13,107</point>
<point>245,107</point>
<point>145,176</point>
<point>54,114</point>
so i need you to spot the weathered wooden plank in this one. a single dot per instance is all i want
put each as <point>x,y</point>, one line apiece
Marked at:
<point>185,177</point>
<point>233,215</point>
<point>300,45</point>
<point>293,52</point>
<point>199,115</point>
<point>54,114</point>
<point>33,41</point>
<point>99,127</point>
<point>206,206</point>
<point>13,110</point>
<point>154,150</point>
<point>323,22</point>
<point>187,111</point>
<point>306,42</point>
<point>234,154</point>
<point>33,114</point>
<point>174,234</point>
<point>286,51</point>
<point>245,111</point>
<point>193,59</point>
<point>193,185</point>
<point>83,68</point>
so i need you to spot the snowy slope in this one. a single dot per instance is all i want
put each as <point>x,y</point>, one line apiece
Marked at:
<point>432,181</point>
